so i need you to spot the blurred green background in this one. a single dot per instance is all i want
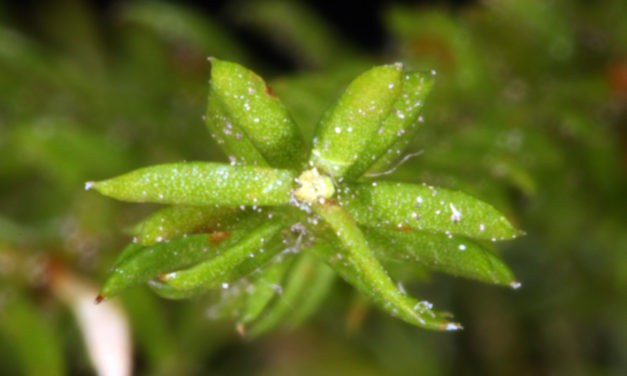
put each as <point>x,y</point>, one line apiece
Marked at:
<point>529,113</point>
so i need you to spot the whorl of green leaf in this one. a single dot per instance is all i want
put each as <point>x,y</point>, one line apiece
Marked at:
<point>215,236</point>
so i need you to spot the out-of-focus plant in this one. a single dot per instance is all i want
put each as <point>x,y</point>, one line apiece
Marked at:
<point>527,114</point>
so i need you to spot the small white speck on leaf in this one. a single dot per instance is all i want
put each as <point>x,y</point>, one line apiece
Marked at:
<point>515,285</point>
<point>457,215</point>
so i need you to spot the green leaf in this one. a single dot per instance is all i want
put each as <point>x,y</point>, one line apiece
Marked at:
<point>37,348</point>
<point>200,183</point>
<point>345,132</point>
<point>253,251</point>
<point>308,94</point>
<point>354,261</point>
<point>174,221</point>
<point>168,292</point>
<point>138,265</point>
<point>314,294</point>
<point>455,255</point>
<point>398,128</point>
<point>227,302</point>
<point>264,287</point>
<point>300,276</point>
<point>130,250</point>
<point>249,121</point>
<point>425,208</point>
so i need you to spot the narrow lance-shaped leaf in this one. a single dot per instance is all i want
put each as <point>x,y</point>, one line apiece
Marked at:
<point>200,183</point>
<point>314,294</point>
<point>147,262</point>
<point>264,288</point>
<point>355,261</point>
<point>453,255</point>
<point>398,128</point>
<point>249,121</point>
<point>346,130</point>
<point>331,251</point>
<point>174,221</point>
<point>295,285</point>
<point>253,251</point>
<point>127,252</point>
<point>328,250</point>
<point>426,208</point>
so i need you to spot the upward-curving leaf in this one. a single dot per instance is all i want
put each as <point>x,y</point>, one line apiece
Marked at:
<point>345,132</point>
<point>398,128</point>
<point>249,121</point>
